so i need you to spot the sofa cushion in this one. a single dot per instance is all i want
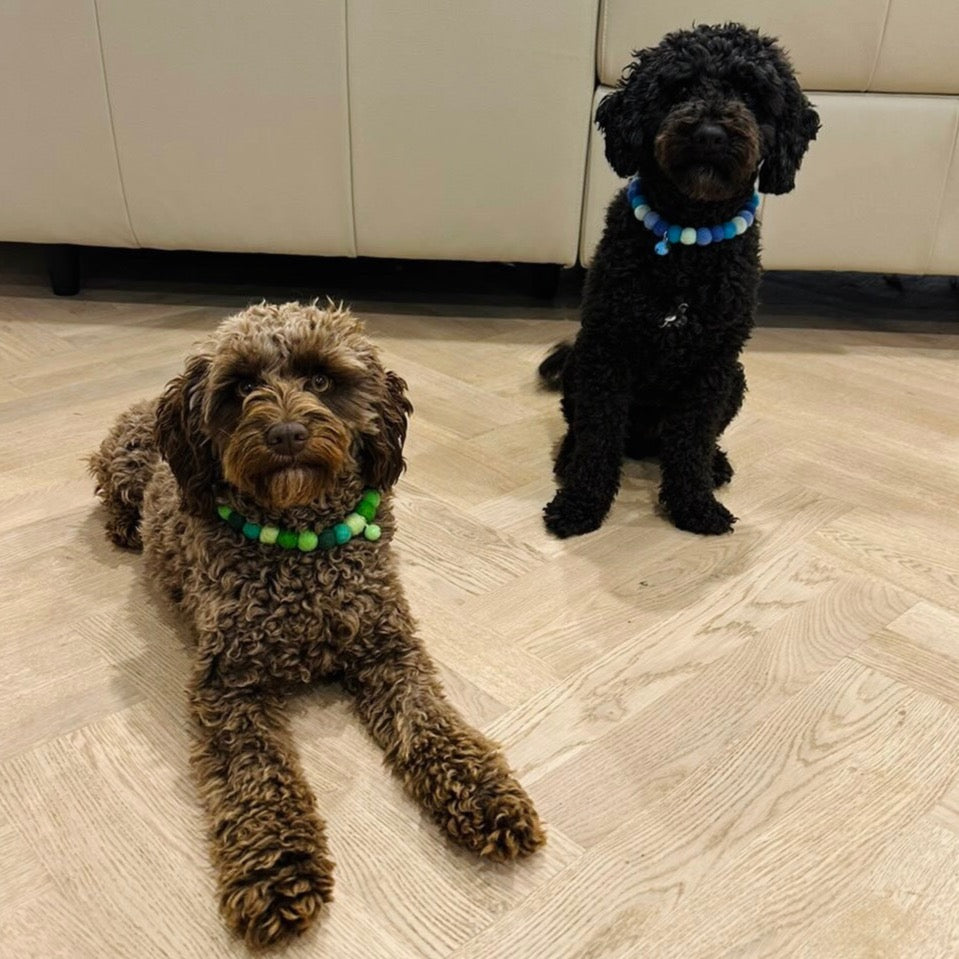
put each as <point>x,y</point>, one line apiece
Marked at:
<point>57,163</point>
<point>469,127</point>
<point>853,45</point>
<point>232,123</point>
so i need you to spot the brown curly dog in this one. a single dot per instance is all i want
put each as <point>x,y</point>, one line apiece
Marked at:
<point>247,485</point>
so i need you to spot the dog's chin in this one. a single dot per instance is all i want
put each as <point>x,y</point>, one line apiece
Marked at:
<point>707,183</point>
<point>284,486</point>
<point>294,485</point>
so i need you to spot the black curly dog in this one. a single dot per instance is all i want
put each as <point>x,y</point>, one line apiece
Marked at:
<point>655,367</point>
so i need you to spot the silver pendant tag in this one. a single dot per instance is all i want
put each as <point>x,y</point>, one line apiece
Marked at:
<point>675,319</point>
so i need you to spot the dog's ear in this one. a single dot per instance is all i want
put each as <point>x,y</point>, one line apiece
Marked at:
<point>795,128</point>
<point>182,441</point>
<point>381,456</point>
<point>622,139</point>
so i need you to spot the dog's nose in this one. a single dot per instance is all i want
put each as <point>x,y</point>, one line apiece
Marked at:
<point>287,438</point>
<point>710,137</point>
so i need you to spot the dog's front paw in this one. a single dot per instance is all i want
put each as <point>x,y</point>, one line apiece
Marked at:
<point>271,905</point>
<point>570,515</point>
<point>496,820</point>
<point>706,516</point>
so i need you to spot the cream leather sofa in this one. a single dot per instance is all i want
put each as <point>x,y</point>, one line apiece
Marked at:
<point>442,130</point>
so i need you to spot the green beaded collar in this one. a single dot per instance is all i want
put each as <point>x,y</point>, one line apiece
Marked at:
<point>360,521</point>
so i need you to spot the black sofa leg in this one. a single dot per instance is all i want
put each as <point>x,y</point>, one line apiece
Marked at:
<point>63,267</point>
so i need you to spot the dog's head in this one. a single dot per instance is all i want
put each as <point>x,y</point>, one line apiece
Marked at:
<point>707,109</point>
<point>283,403</point>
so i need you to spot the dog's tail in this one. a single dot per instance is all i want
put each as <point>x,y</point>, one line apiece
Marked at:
<point>551,369</point>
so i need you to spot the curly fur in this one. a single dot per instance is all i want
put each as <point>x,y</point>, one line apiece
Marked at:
<point>268,620</point>
<point>699,117</point>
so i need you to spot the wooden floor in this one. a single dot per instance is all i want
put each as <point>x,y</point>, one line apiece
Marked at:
<point>745,746</point>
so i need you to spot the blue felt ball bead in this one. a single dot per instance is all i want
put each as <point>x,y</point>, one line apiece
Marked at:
<point>729,231</point>
<point>717,233</point>
<point>650,219</point>
<point>660,228</point>
<point>747,216</point>
<point>704,236</point>
<point>674,233</point>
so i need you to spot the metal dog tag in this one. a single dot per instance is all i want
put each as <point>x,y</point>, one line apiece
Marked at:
<point>675,319</point>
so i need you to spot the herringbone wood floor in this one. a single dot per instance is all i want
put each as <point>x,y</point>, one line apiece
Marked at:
<point>746,746</point>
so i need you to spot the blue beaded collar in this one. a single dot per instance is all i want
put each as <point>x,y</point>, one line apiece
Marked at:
<point>670,233</point>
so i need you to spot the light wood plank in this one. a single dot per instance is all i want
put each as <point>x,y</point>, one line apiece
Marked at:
<point>904,906</point>
<point>919,551</point>
<point>745,852</point>
<point>643,758</point>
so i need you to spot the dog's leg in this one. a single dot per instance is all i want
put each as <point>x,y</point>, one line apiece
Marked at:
<point>591,455</point>
<point>458,775</point>
<point>692,464</point>
<point>564,450</point>
<point>564,453</point>
<point>267,840</point>
<point>722,468</point>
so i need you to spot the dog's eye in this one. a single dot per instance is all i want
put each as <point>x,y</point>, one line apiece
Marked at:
<point>320,382</point>
<point>245,387</point>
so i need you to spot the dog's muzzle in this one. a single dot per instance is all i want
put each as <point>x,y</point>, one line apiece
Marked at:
<point>709,152</point>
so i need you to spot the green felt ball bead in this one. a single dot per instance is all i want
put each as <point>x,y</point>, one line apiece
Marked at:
<point>356,523</point>
<point>236,521</point>
<point>224,511</point>
<point>327,539</point>
<point>269,534</point>
<point>371,496</point>
<point>342,533</point>
<point>287,539</point>
<point>367,511</point>
<point>372,532</point>
<point>251,530</point>
<point>307,541</point>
